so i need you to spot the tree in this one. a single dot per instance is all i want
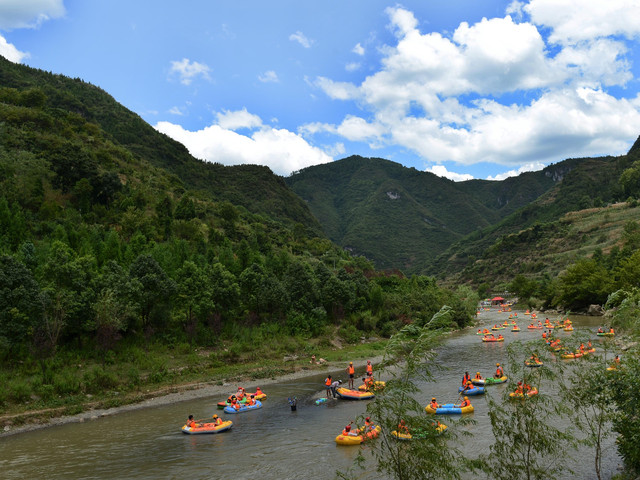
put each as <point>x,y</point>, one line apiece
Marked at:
<point>20,303</point>
<point>588,392</point>
<point>194,296</point>
<point>408,358</point>
<point>153,290</point>
<point>527,445</point>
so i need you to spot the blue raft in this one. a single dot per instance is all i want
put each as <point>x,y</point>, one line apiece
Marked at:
<point>449,408</point>
<point>244,408</point>
<point>472,391</point>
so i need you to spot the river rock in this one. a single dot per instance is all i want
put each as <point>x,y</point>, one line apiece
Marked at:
<point>595,310</point>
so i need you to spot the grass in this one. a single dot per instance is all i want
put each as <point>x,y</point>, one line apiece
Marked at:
<point>133,374</point>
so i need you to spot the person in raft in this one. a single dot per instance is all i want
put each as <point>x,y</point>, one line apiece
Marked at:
<point>466,378</point>
<point>468,386</point>
<point>347,431</point>
<point>251,401</point>
<point>465,402</point>
<point>368,382</point>
<point>434,404</point>
<point>402,427</point>
<point>191,423</point>
<point>478,376</point>
<point>369,369</point>
<point>368,424</point>
<point>352,372</point>
<point>499,371</point>
<point>327,383</point>
<point>216,420</point>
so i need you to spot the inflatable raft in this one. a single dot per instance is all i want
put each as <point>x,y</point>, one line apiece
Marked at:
<point>357,439</point>
<point>449,409</point>
<point>207,428</point>
<point>533,363</point>
<point>605,334</point>
<point>440,429</point>
<point>256,396</point>
<point>492,339</point>
<point>243,408</point>
<point>377,385</point>
<point>568,355</point>
<point>353,394</point>
<point>515,328</point>
<point>489,380</point>
<point>530,393</point>
<point>472,391</point>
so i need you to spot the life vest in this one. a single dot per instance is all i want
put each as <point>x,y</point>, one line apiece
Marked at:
<point>351,370</point>
<point>369,369</point>
<point>327,382</point>
<point>191,424</point>
<point>434,405</point>
<point>499,372</point>
<point>465,379</point>
<point>464,403</point>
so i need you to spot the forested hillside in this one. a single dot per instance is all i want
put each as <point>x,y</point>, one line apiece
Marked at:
<point>121,256</point>
<point>402,218</point>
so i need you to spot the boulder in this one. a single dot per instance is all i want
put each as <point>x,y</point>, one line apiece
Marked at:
<point>595,310</point>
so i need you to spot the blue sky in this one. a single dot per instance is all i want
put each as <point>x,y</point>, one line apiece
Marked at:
<point>463,88</point>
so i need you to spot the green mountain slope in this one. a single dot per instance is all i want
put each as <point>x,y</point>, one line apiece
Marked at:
<point>254,187</point>
<point>590,182</point>
<point>403,218</point>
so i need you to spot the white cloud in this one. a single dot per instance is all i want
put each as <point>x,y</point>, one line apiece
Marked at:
<point>28,13</point>
<point>187,70</point>
<point>176,111</point>
<point>529,167</point>
<point>230,120</point>
<point>10,52</point>
<point>441,171</point>
<point>494,91</point>
<point>358,49</point>
<point>573,21</point>
<point>301,39</point>
<point>352,67</point>
<point>279,149</point>
<point>269,77</point>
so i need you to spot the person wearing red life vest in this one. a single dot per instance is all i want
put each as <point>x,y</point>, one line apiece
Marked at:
<point>466,378</point>
<point>369,369</point>
<point>499,371</point>
<point>434,405</point>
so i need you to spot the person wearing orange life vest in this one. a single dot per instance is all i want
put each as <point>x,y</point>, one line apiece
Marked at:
<point>352,372</point>
<point>191,423</point>
<point>611,330</point>
<point>466,378</point>
<point>519,389</point>
<point>402,427</point>
<point>434,405</point>
<point>478,376</point>
<point>217,420</point>
<point>368,424</point>
<point>327,383</point>
<point>368,383</point>
<point>499,371</point>
<point>465,402</point>
<point>369,369</point>
<point>582,348</point>
<point>589,346</point>
<point>251,401</point>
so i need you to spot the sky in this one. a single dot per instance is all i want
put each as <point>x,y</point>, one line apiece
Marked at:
<point>464,89</point>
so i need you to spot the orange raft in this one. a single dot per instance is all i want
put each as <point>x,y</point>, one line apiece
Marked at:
<point>358,439</point>
<point>530,393</point>
<point>207,428</point>
<point>353,394</point>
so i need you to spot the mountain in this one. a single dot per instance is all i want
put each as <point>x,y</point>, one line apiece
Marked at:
<point>253,187</point>
<point>403,218</point>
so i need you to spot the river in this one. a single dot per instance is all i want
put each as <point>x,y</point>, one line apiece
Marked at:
<point>270,443</point>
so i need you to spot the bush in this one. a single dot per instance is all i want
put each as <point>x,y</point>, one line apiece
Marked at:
<point>349,334</point>
<point>66,383</point>
<point>99,380</point>
<point>20,391</point>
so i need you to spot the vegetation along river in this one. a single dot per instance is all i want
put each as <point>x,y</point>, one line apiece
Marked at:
<point>271,443</point>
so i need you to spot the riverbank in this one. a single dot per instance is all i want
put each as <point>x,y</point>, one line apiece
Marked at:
<point>14,424</point>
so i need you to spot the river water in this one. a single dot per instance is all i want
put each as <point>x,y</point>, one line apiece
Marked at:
<point>270,443</point>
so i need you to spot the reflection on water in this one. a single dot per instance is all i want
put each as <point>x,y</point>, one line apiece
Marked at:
<point>270,443</point>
